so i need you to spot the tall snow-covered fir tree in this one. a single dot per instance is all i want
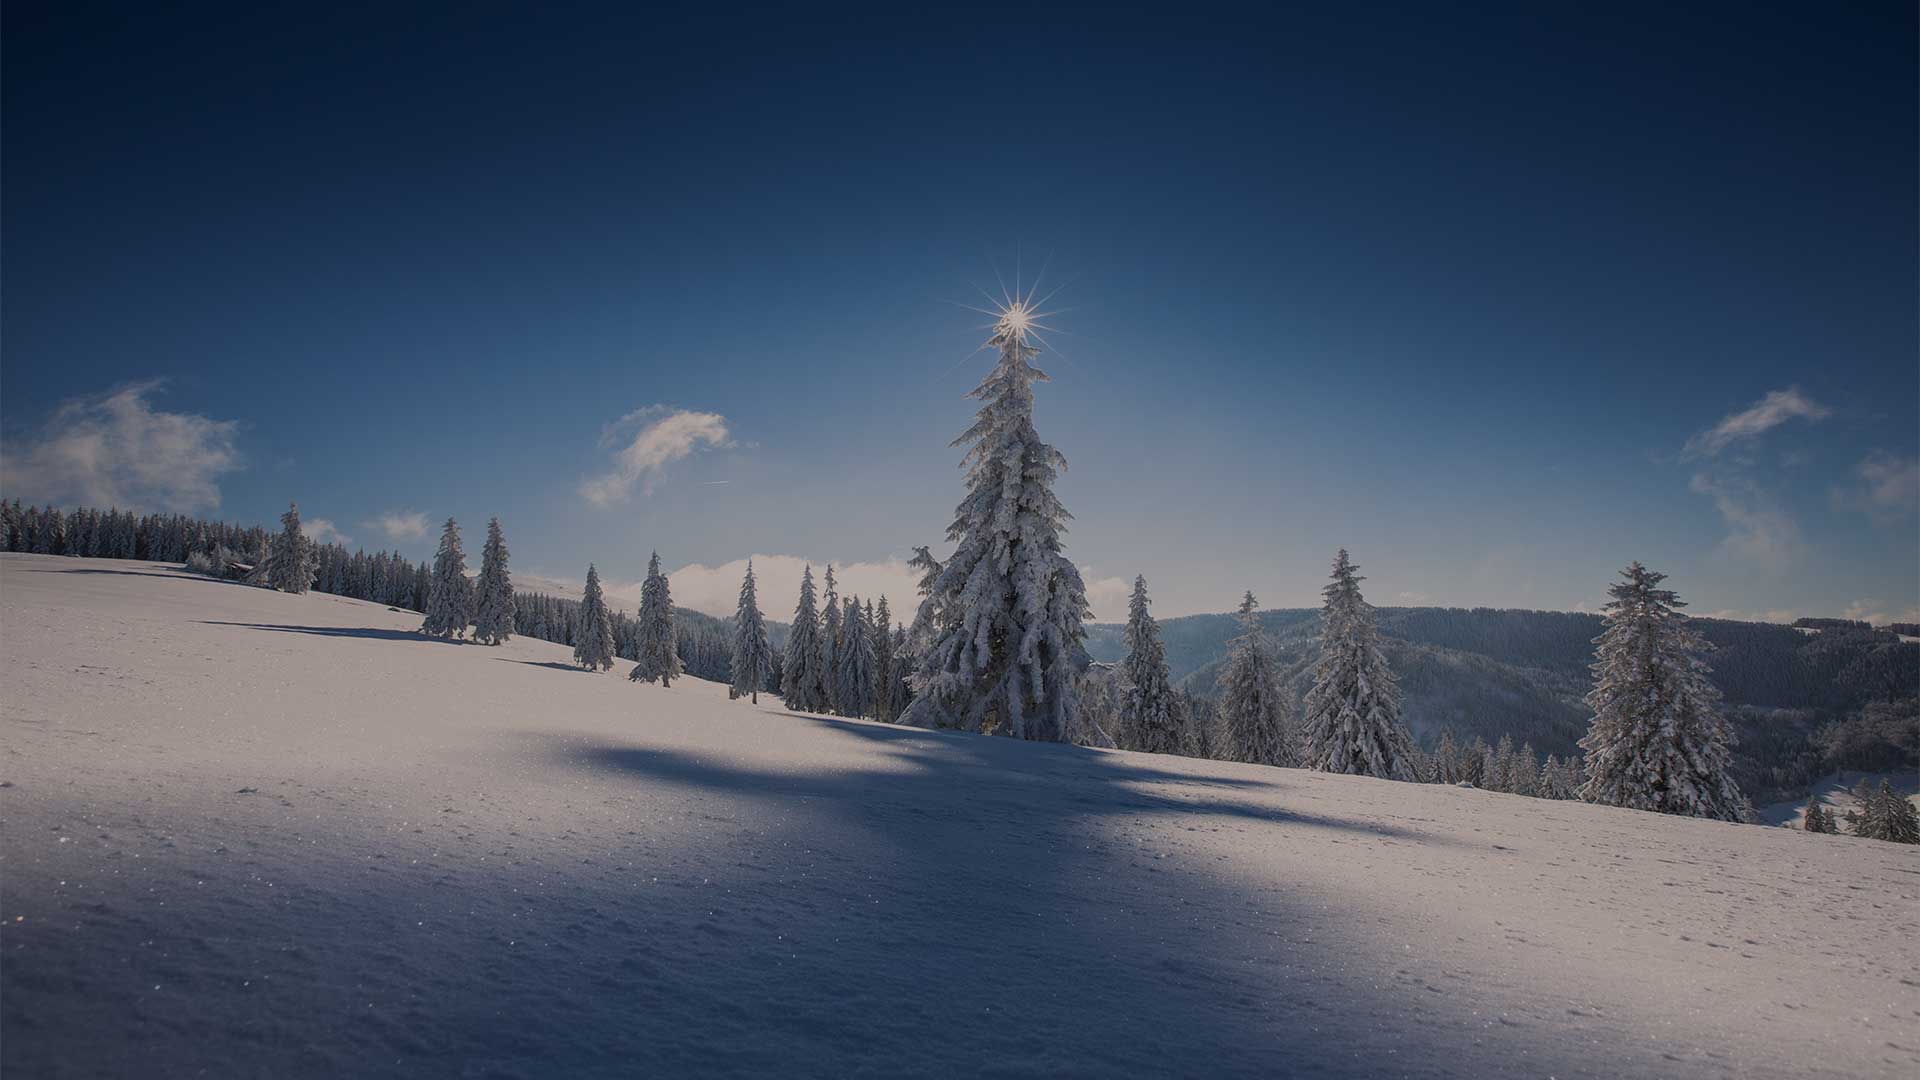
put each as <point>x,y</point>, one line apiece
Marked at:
<point>885,665</point>
<point>1351,720</point>
<point>854,680</point>
<point>832,631</point>
<point>1816,819</point>
<point>1658,740</point>
<point>752,660</point>
<point>1150,717</point>
<point>659,657</point>
<point>493,608</point>
<point>1009,649</point>
<point>801,685</point>
<point>449,604</point>
<point>291,565</point>
<point>1252,718</point>
<point>593,627</point>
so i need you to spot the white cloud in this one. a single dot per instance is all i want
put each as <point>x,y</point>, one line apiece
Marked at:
<point>323,531</point>
<point>1774,616</point>
<point>117,450</point>
<point>1760,531</point>
<point>400,524</point>
<point>665,436</point>
<point>1107,596</point>
<point>716,589</point>
<point>1889,487</point>
<point>1755,420</point>
<point>1876,612</point>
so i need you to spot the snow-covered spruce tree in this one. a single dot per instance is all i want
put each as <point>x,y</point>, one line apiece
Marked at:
<point>659,657</point>
<point>1500,777</point>
<point>1012,608</point>
<point>593,627</point>
<point>1524,772</point>
<point>1448,759</point>
<point>1352,714</point>
<point>799,667</point>
<point>1252,724</point>
<point>1884,815</point>
<point>1657,741</point>
<point>832,630</point>
<point>448,612</point>
<point>752,660</point>
<point>493,611</point>
<point>884,662</point>
<point>902,671</point>
<point>1149,710</point>
<point>854,680</point>
<point>1903,822</point>
<point>290,561</point>
<point>1816,817</point>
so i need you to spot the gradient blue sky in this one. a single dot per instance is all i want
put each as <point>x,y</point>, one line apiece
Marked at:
<point>1463,293</point>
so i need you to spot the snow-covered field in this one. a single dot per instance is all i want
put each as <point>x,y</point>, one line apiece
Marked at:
<point>251,834</point>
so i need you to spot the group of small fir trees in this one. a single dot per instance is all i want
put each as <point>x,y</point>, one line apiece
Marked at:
<point>455,603</point>
<point>843,657</point>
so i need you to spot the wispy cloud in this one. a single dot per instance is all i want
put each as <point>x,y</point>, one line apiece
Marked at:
<point>1761,532</point>
<point>1106,596</point>
<point>1888,487</point>
<point>1876,612</point>
<point>323,531</point>
<point>118,450</point>
<point>400,524</point>
<point>1755,420</point>
<point>665,435</point>
<point>1778,615</point>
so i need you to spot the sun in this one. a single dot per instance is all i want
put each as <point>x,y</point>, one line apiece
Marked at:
<point>1018,317</point>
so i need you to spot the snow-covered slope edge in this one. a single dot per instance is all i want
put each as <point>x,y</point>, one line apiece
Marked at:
<point>260,834</point>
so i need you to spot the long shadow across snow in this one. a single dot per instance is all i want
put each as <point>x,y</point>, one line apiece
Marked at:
<point>181,575</point>
<point>977,906</point>
<point>375,633</point>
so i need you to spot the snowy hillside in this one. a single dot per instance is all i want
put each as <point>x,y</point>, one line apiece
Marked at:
<point>250,833</point>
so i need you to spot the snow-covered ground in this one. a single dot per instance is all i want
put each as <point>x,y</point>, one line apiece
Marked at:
<point>254,834</point>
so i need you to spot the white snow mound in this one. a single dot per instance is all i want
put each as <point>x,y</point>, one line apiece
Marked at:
<point>248,833</point>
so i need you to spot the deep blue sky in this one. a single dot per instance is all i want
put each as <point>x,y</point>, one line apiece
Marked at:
<point>1452,290</point>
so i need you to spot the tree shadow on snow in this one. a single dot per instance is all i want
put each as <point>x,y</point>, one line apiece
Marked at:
<point>178,575</point>
<point>371,632</point>
<point>554,664</point>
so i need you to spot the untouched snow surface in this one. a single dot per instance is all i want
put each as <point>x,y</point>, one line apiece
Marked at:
<point>254,834</point>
